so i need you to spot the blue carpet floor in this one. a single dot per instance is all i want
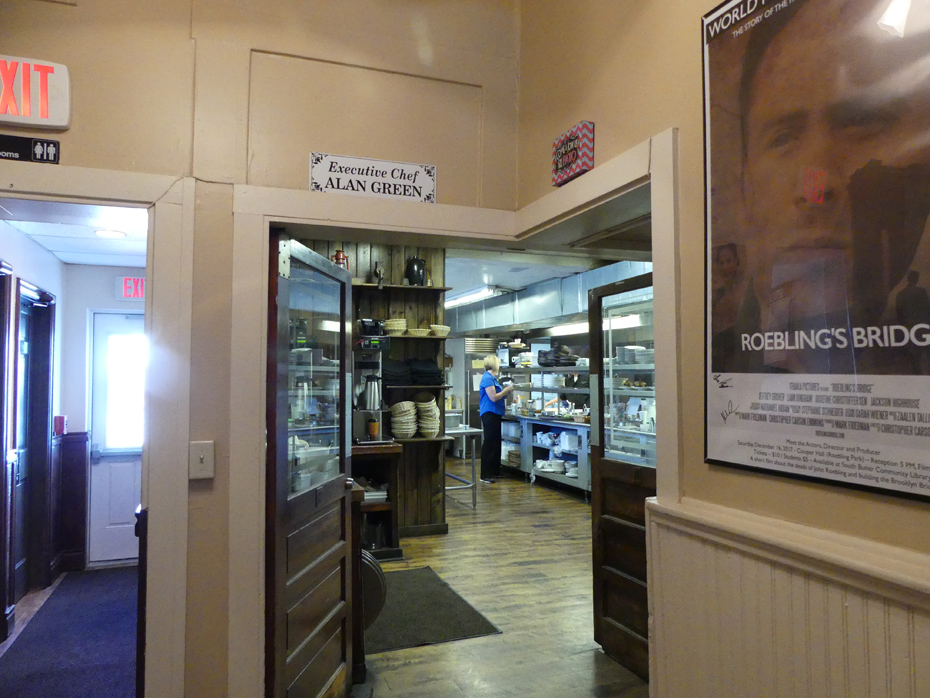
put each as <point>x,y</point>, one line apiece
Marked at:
<point>80,644</point>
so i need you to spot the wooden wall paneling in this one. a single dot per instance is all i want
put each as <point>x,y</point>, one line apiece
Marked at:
<point>920,634</point>
<point>782,627</point>
<point>397,263</point>
<point>900,655</point>
<point>412,309</point>
<point>411,456</point>
<point>363,262</point>
<point>877,626</point>
<point>437,486</point>
<point>400,496</point>
<point>816,593</point>
<point>835,605</point>
<point>428,457</point>
<point>705,568</point>
<point>380,254</point>
<point>72,524</point>
<point>54,519</point>
<point>321,247</point>
<point>437,265</point>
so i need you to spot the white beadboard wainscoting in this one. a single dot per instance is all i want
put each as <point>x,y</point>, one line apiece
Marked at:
<point>744,606</point>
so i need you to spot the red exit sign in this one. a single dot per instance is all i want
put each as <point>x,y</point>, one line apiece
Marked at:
<point>34,93</point>
<point>130,288</point>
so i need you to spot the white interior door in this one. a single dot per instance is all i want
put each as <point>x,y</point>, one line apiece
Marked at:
<point>120,355</point>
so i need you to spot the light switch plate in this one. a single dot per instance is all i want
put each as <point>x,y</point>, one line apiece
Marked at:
<point>200,463</point>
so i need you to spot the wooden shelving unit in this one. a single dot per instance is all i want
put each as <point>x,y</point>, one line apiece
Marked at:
<point>417,499</point>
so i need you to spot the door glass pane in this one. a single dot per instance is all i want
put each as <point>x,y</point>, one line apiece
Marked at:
<point>629,378</point>
<point>314,373</point>
<point>127,356</point>
<point>120,360</point>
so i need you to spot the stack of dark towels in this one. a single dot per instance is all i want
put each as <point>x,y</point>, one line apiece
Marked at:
<point>395,373</point>
<point>425,372</point>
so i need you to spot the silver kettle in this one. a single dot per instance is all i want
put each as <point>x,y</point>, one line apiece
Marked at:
<point>371,395</point>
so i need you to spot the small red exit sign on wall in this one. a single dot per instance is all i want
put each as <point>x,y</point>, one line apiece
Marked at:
<point>130,288</point>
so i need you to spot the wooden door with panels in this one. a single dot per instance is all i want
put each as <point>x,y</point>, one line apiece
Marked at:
<point>308,630</point>
<point>623,464</point>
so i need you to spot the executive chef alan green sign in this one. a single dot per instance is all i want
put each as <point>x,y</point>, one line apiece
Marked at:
<point>367,177</point>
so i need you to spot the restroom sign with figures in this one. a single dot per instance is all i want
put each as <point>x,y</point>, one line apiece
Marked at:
<point>29,149</point>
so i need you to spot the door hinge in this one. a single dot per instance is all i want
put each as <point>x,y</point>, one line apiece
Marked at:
<point>284,259</point>
<point>24,347</point>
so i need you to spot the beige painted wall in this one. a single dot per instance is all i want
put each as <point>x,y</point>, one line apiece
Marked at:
<point>241,93</point>
<point>634,68</point>
<point>131,67</point>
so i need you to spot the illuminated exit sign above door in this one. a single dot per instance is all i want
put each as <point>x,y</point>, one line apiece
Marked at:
<point>130,288</point>
<point>34,93</point>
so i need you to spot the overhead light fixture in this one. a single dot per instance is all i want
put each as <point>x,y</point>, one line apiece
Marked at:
<point>110,234</point>
<point>474,296</point>
<point>895,17</point>
<point>617,323</point>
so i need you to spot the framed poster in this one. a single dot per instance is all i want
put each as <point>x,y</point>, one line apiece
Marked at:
<point>817,168</point>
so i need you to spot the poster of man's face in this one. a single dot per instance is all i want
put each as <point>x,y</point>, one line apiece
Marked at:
<point>818,186</point>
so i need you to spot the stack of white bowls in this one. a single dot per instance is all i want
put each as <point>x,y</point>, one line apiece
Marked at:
<point>395,327</point>
<point>404,420</point>
<point>428,417</point>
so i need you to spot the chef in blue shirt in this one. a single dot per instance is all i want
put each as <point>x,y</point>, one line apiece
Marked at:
<point>491,408</point>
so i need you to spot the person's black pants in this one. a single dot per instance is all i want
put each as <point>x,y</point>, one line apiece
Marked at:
<point>491,446</point>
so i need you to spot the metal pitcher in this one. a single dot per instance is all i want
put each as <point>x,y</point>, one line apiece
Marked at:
<point>371,397</point>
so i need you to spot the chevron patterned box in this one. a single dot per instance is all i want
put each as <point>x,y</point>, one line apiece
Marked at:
<point>573,153</point>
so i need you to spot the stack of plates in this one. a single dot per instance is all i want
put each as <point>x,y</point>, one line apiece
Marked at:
<point>553,380</point>
<point>395,327</point>
<point>627,355</point>
<point>428,418</point>
<point>644,356</point>
<point>404,420</point>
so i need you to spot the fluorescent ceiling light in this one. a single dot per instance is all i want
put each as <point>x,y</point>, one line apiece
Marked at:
<point>572,328</point>
<point>110,234</point>
<point>473,296</point>
<point>330,326</point>
<point>895,17</point>
<point>617,323</point>
<point>623,322</point>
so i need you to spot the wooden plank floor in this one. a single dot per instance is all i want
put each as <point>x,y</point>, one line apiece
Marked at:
<point>523,559</point>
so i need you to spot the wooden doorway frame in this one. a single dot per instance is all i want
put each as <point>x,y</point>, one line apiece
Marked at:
<point>255,209</point>
<point>169,270</point>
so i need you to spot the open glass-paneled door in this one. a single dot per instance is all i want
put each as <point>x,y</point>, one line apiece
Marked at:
<point>309,568</point>
<point>623,464</point>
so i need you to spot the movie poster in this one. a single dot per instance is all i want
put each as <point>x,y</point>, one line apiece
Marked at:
<point>817,148</point>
